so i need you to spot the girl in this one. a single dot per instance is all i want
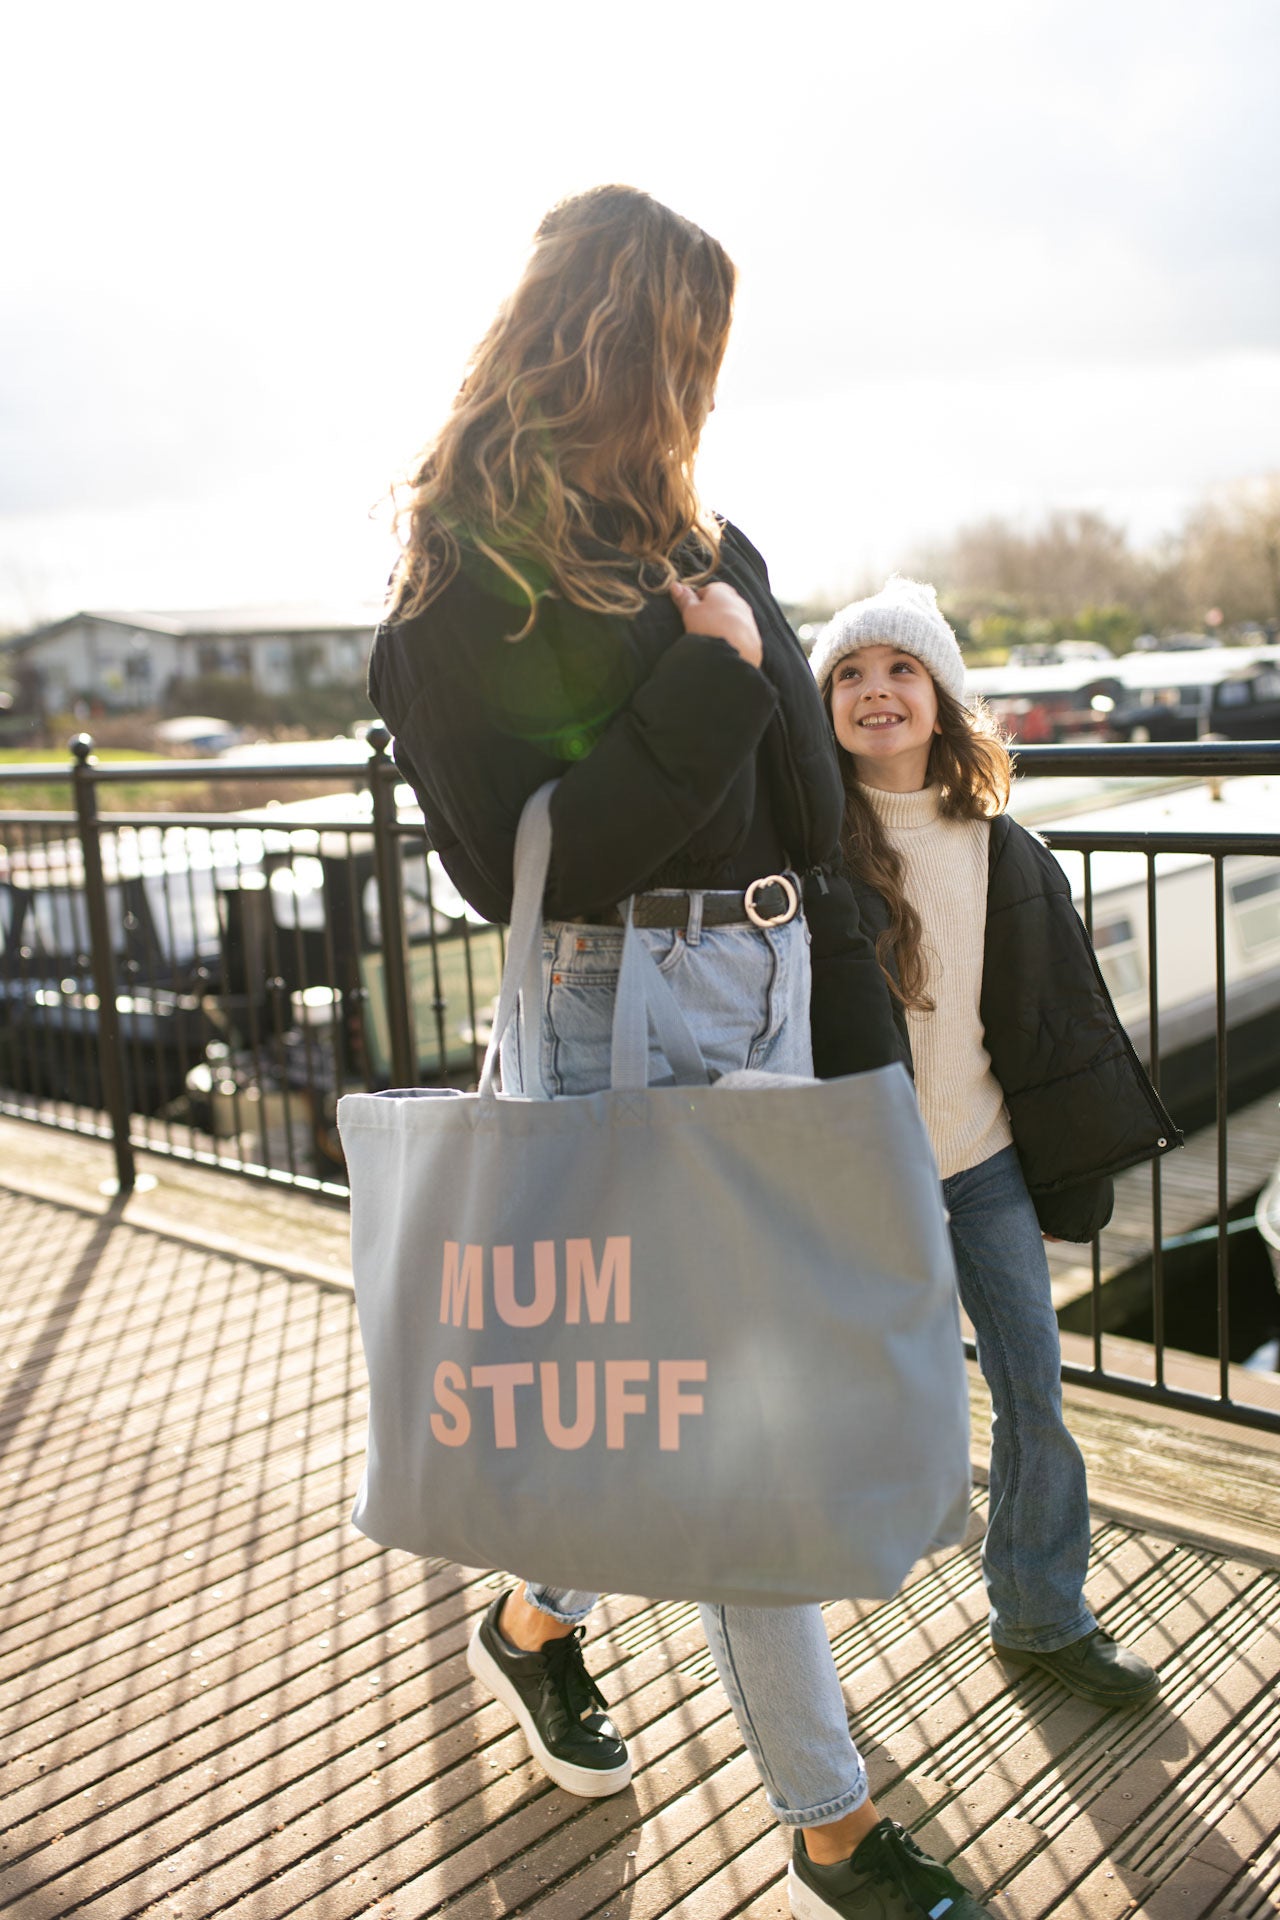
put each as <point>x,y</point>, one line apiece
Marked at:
<point>1030,1090</point>
<point>567,608</point>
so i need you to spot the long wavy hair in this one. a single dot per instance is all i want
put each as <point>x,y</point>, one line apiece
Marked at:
<point>970,766</point>
<point>598,372</point>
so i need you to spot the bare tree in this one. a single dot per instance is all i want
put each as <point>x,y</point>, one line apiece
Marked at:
<point>1073,562</point>
<point>1231,552</point>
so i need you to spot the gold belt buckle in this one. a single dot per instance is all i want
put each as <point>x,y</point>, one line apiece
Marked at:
<point>759,919</point>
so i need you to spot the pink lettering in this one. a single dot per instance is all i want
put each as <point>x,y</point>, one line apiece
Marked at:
<point>450,1381</point>
<point>582,1278</point>
<point>542,1306</point>
<point>503,1381</point>
<point>672,1403</point>
<point>461,1286</point>
<point>618,1403</point>
<point>585,1416</point>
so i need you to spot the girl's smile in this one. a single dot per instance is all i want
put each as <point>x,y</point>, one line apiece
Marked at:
<point>884,710</point>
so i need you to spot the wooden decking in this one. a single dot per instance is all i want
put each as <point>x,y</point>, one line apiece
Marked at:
<point>219,1699</point>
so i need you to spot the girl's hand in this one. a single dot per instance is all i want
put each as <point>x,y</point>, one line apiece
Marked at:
<point>721,611</point>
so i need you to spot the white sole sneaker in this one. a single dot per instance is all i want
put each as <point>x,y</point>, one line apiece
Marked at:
<point>805,1904</point>
<point>591,1783</point>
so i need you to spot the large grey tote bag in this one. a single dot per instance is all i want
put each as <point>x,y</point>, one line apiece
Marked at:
<point>690,1342</point>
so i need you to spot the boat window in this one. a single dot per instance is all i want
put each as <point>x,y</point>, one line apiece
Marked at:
<point>1120,957</point>
<point>1234,693</point>
<point>425,888</point>
<point>1257,909</point>
<point>297,894</point>
<point>59,920</point>
<point>184,912</point>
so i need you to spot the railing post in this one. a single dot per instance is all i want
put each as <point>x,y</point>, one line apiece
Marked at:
<point>395,945</point>
<point>110,1050</point>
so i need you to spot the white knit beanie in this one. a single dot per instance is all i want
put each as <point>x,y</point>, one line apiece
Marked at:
<point>904,614</point>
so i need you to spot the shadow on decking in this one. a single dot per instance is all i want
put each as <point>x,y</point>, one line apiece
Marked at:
<point>220,1699</point>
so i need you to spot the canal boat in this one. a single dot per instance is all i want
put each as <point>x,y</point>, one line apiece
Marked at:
<point>1185,952</point>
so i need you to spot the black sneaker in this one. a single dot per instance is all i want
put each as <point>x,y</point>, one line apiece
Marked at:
<point>888,1878</point>
<point>555,1701</point>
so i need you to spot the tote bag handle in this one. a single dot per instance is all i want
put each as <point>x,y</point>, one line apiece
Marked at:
<point>644,997</point>
<point>643,994</point>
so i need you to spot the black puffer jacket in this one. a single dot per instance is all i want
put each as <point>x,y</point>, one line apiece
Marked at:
<point>678,763</point>
<point>1080,1104</point>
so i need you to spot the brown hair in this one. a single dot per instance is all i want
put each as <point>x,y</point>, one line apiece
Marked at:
<point>602,363</point>
<point>969,764</point>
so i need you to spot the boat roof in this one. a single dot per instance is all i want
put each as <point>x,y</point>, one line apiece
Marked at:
<point>1202,666</point>
<point>1244,805</point>
<point>1205,667</point>
<point>1062,676</point>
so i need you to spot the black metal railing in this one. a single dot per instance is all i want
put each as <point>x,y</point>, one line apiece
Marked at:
<point>206,985</point>
<point>1208,1083</point>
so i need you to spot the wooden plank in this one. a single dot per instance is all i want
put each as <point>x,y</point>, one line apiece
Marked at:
<point>221,1700</point>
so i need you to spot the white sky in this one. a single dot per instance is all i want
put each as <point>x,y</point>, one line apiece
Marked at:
<point>994,257</point>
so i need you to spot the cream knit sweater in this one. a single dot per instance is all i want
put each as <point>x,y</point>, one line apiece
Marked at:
<point>945,864</point>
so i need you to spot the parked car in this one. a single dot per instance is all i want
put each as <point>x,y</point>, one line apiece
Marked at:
<point>1065,700</point>
<point>1247,707</point>
<point>1215,693</point>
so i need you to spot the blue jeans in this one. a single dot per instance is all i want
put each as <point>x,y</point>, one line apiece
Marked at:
<point>1036,1552</point>
<point>745,993</point>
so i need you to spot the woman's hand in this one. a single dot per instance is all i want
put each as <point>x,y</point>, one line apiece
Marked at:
<point>721,611</point>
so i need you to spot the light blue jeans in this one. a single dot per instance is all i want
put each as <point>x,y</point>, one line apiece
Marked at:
<point>1036,1552</point>
<point>745,993</point>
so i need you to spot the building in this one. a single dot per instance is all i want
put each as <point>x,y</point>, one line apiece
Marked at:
<point>124,661</point>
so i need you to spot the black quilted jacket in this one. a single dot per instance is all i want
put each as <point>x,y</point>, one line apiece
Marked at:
<point>1080,1104</point>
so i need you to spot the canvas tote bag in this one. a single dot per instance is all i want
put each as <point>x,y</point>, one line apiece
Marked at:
<point>693,1342</point>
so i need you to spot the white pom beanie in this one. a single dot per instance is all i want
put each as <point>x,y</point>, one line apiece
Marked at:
<point>904,614</point>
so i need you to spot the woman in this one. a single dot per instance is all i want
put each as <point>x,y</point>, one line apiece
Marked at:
<point>566,608</point>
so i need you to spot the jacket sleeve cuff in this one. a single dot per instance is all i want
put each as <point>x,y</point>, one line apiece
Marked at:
<point>851,1011</point>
